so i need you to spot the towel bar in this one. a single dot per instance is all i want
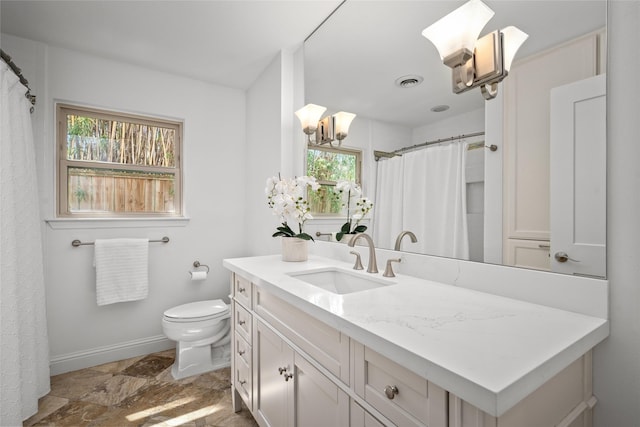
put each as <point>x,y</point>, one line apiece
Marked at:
<point>77,242</point>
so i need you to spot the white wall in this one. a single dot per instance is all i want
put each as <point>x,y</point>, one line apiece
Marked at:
<point>617,360</point>
<point>466,123</point>
<point>263,157</point>
<point>81,333</point>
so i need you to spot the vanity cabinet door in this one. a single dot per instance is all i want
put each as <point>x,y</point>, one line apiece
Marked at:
<point>318,402</point>
<point>290,391</point>
<point>273,365</point>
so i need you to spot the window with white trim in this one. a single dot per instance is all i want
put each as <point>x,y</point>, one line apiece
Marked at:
<point>113,164</point>
<point>330,165</point>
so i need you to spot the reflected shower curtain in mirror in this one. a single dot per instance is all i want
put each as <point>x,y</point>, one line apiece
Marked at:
<point>387,216</point>
<point>24,347</point>
<point>433,203</point>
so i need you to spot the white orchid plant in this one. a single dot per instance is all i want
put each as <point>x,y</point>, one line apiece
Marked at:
<point>287,198</point>
<point>357,208</point>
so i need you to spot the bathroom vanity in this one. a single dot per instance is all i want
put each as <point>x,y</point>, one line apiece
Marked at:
<point>317,343</point>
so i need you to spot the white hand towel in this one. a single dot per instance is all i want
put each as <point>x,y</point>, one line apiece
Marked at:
<point>122,270</point>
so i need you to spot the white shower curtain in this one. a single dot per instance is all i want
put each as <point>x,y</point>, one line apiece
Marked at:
<point>24,347</point>
<point>433,201</point>
<point>387,217</point>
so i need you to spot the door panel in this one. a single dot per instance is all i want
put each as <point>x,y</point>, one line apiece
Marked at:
<point>270,391</point>
<point>578,177</point>
<point>318,401</point>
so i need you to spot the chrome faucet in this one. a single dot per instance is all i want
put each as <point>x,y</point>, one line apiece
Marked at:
<point>373,266</point>
<point>401,235</point>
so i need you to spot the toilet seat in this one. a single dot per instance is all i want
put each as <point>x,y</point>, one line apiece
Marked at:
<point>197,311</point>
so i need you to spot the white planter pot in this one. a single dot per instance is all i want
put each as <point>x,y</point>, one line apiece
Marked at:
<point>346,238</point>
<point>294,249</point>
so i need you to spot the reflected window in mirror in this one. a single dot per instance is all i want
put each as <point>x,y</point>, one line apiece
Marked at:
<point>330,165</point>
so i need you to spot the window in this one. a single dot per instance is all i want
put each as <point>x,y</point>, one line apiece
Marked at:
<point>117,165</point>
<point>330,165</point>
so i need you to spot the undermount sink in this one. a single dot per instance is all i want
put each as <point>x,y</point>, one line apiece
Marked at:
<point>340,281</point>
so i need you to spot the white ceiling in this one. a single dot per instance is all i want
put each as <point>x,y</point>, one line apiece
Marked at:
<point>351,61</point>
<point>223,42</point>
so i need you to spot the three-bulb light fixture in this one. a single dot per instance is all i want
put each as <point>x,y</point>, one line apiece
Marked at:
<point>326,130</point>
<point>474,62</point>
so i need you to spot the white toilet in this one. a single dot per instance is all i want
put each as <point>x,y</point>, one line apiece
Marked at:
<point>201,330</point>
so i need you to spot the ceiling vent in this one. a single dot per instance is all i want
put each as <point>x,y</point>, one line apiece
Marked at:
<point>409,81</point>
<point>439,108</point>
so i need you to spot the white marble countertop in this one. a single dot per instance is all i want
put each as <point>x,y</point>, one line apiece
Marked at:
<point>489,350</point>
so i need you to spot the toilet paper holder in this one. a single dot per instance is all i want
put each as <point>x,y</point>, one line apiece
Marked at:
<point>197,264</point>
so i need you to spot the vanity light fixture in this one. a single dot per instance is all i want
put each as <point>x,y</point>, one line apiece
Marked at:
<point>474,62</point>
<point>328,129</point>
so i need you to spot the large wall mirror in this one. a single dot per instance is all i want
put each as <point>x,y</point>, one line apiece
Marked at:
<point>370,58</point>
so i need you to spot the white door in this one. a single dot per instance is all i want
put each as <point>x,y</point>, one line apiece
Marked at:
<point>578,177</point>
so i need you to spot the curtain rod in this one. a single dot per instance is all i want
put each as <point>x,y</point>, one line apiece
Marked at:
<point>23,80</point>
<point>400,151</point>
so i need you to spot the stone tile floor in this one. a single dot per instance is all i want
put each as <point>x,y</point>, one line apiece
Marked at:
<point>139,392</point>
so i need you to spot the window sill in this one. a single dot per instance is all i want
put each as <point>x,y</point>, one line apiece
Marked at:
<point>80,223</point>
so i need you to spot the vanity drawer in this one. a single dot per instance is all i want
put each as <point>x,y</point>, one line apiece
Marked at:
<point>242,380</point>
<point>242,291</point>
<point>399,394</point>
<point>323,343</point>
<point>242,318</point>
<point>243,350</point>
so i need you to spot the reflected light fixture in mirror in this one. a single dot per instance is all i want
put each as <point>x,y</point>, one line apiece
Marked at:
<point>309,115</point>
<point>328,129</point>
<point>483,62</point>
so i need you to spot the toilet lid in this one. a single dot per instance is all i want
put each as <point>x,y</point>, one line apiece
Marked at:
<point>197,309</point>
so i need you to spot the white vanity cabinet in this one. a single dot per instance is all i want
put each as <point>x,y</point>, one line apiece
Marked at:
<point>300,371</point>
<point>302,367</point>
<point>277,383</point>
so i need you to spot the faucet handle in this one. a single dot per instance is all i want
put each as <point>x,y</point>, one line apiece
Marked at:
<point>358,264</point>
<point>388,271</point>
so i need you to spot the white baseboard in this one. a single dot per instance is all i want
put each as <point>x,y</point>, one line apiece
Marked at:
<point>100,355</point>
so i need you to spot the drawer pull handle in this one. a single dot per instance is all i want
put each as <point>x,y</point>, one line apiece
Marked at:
<point>391,391</point>
<point>241,322</point>
<point>243,382</point>
<point>241,352</point>
<point>287,377</point>
<point>282,370</point>
<point>241,290</point>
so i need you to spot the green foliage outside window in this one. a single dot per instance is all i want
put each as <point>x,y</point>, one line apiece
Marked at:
<point>329,166</point>
<point>116,164</point>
